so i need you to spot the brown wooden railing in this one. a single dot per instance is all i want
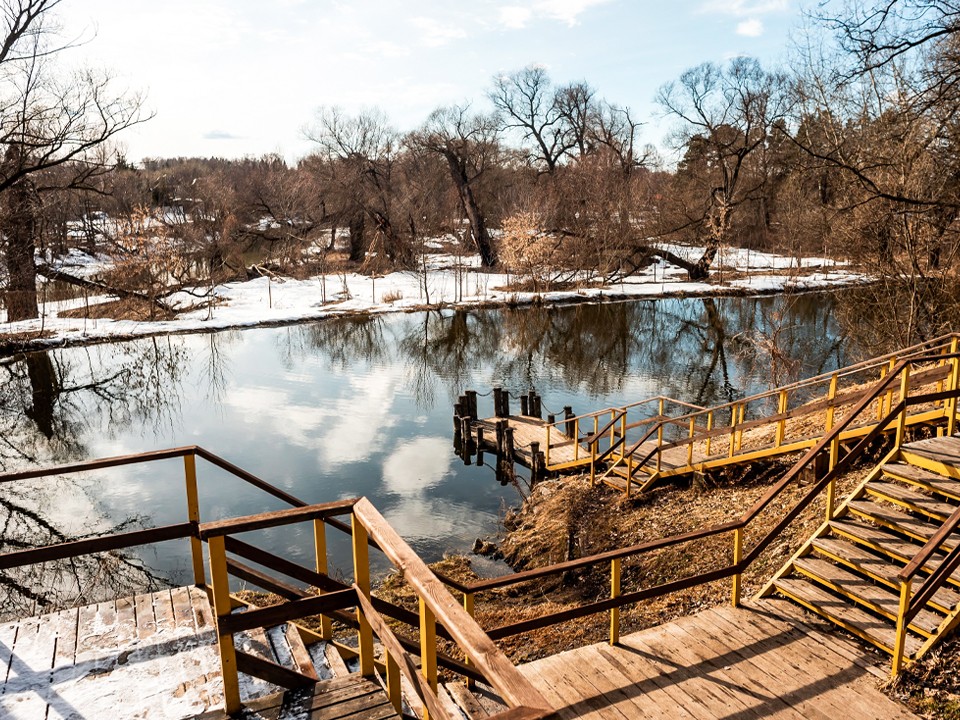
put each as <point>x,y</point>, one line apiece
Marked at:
<point>700,431</point>
<point>824,454</point>
<point>439,614</point>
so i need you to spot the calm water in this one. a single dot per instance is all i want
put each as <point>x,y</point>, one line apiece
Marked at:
<point>363,407</point>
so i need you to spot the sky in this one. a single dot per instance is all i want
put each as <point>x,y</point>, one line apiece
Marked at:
<point>235,78</point>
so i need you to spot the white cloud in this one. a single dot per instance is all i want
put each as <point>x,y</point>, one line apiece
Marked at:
<point>434,33</point>
<point>517,17</point>
<point>750,28</point>
<point>514,17</point>
<point>417,465</point>
<point>742,8</point>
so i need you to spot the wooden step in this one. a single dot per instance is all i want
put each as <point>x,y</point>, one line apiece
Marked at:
<point>923,478</point>
<point>878,567</point>
<point>863,591</point>
<point>896,520</point>
<point>886,542</point>
<point>869,627</point>
<point>911,499</point>
<point>938,454</point>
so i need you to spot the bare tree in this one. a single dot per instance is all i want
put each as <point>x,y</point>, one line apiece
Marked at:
<point>48,119</point>
<point>726,116</point>
<point>468,144</point>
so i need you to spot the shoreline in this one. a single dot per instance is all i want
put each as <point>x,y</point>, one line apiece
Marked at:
<point>15,343</point>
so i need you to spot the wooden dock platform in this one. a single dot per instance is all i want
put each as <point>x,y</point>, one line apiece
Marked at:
<point>153,656</point>
<point>758,661</point>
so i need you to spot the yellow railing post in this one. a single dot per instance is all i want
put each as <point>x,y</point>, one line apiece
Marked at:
<point>623,434</point>
<point>660,426</point>
<point>361,576</point>
<point>394,687</point>
<point>615,593</point>
<point>782,423</point>
<point>222,607</point>
<point>428,647</point>
<point>954,384</point>
<point>629,473</point>
<point>734,411</point>
<point>889,395</point>
<point>193,516</point>
<point>468,600</point>
<point>693,425</point>
<point>709,436</point>
<point>737,557</point>
<point>320,552</point>
<point>902,420</point>
<point>546,451</point>
<point>576,439</point>
<point>900,640</point>
<point>739,434</point>
<point>593,463</point>
<point>828,422</point>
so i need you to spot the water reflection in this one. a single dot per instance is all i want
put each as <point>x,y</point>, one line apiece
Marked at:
<point>363,406</point>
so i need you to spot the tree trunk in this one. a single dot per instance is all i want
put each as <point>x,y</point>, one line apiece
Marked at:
<point>45,387</point>
<point>358,244</point>
<point>478,226</point>
<point>19,224</point>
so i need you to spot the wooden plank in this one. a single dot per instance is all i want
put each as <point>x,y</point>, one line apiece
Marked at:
<point>465,700</point>
<point>182,607</point>
<point>66,651</point>
<point>896,520</point>
<point>912,500</point>
<point>875,597</point>
<point>274,518</point>
<point>733,671</point>
<point>931,481</point>
<point>860,623</point>
<point>575,696</point>
<point>301,657</point>
<point>257,666</point>
<point>33,658</point>
<point>146,619</point>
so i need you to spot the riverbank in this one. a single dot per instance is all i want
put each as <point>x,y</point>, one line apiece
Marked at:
<point>447,282</point>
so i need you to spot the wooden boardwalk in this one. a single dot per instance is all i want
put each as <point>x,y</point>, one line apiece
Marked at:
<point>153,656</point>
<point>758,661</point>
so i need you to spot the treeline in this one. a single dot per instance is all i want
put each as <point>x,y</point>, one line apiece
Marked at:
<point>853,153</point>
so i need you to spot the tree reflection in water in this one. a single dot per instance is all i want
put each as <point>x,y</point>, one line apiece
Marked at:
<point>49,403</point>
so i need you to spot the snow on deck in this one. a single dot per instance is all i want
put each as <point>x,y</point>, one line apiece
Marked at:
<point>153,656</point>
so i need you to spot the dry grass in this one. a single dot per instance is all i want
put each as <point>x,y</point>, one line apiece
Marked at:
<point>122,309</point>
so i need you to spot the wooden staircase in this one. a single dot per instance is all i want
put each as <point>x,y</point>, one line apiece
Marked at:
<point>850,570</point>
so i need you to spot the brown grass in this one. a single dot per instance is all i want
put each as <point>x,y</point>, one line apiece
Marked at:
<point>122,309</point>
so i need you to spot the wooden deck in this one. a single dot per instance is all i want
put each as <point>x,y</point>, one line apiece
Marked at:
<point>153,656</point>
<point>760,661</point>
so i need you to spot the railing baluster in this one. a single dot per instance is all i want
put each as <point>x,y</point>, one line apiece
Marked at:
<point>468,601</point>
<point>709,437</point>
<point>904,389</point>
<point>782,423</point>
<point>394,686</point>
<point>954,384</point>
<point>428,647</point>
<point>320,552</point>
<point>898,646</point>
<point>737,557</point>
<point>361,576</point>
<point>693,426</point>
<point>614,593</point>
<point>733,429</point>
<point>193,515</point>
<point>220,591</point>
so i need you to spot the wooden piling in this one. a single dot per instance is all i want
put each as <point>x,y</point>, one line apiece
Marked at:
<point>457,432</point>
<point>537,409</point>
<point>498,402</point>
<point>467,439</point>
<point>505,403</point>
<point>524,405</point>
<point>551,419</point>
<point>534,463</point>
<point>479,446</point>
<point>571,425</point>
<point>472,404</point>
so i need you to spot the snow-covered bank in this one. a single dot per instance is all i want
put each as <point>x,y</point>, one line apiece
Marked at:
<point>449,282</point>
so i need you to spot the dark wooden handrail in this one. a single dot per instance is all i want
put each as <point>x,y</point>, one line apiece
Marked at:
<point>276,518</point>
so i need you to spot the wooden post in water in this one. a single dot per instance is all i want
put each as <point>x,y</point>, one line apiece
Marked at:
<point>508,444</point>
<point>567,414</point>
<point>534,463</point>
<point>524,405</point>
<point>467,439</point>
<point>457,430</point>
<point>479,446</point>
<point>505,399</point>
<point>537,409</point>
<point>498,402</point>
<point>472,404</point>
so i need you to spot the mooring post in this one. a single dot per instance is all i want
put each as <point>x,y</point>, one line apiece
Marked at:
<point>498,402</point>
<point>467,439</point>
<point>457,432</point>
<point>472,404</point>
<point>505,399</point>
<point>551,419</point>
<point>567,414</point>
<point>524,405</point>
<point>534,466</point>
<point>500,427</point>
<point>537,409</point>
<point>479,446</point>
<point>508,443</point>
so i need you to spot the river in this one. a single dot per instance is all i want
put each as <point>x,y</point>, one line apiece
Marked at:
<point>352,407</point>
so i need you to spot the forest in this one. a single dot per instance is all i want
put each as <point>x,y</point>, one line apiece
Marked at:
<point>851,154</point>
